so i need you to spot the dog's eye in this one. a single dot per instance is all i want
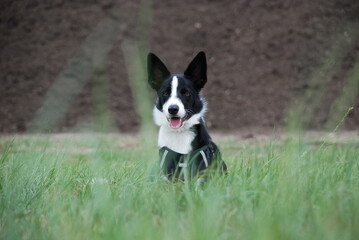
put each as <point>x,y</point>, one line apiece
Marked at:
<point>186,94</point>
<point>166,94</point>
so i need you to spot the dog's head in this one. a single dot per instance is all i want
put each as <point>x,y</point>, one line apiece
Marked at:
<point>179,104</point>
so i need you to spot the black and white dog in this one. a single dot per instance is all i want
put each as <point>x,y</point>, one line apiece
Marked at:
<point>179,110</point>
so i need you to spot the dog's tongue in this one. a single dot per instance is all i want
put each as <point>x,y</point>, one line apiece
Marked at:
<point>175,123</point>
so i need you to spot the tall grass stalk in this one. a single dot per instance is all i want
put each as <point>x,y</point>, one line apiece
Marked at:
<point>135,53</point>
<point>301,110</point>
<point>346,98</point>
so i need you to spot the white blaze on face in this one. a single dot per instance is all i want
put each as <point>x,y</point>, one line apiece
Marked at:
<point>174,86</point>
<point>174,100</point>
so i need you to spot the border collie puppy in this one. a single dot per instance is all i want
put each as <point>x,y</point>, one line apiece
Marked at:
<point>185,145</point>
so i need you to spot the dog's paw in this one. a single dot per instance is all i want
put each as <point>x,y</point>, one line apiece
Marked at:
<point>165,179</point>
<point>199,183</point>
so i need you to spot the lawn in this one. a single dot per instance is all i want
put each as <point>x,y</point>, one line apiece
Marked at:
<point>96,186</point>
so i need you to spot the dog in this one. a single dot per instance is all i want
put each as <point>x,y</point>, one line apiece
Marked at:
<point>185,145</point>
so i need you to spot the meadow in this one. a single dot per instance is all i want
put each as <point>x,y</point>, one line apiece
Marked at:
<point>107,186</point>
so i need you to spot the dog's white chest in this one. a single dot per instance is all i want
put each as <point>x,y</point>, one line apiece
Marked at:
<point>178,141</point>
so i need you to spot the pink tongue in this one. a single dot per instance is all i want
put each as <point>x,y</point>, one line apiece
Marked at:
<point>175,123</point>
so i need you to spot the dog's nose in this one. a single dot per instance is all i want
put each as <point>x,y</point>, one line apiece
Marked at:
<point>173,109</point>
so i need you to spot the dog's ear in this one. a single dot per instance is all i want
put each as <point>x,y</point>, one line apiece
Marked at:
<point>197,70</point>
<point>157,71</point>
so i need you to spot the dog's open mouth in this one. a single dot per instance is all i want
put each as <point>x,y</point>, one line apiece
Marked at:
<point>175,122</point>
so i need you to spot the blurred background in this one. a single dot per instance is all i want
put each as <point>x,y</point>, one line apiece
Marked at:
<point>69,66</point>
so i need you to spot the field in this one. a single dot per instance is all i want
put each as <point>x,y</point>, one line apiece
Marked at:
<point>97,186</point>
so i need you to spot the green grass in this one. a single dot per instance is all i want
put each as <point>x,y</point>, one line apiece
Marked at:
<point>107,187</point>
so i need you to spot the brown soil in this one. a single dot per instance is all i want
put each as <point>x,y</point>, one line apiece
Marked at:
<point>261,55</point>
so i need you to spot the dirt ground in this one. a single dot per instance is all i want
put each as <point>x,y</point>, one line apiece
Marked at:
<point>261,56</point>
